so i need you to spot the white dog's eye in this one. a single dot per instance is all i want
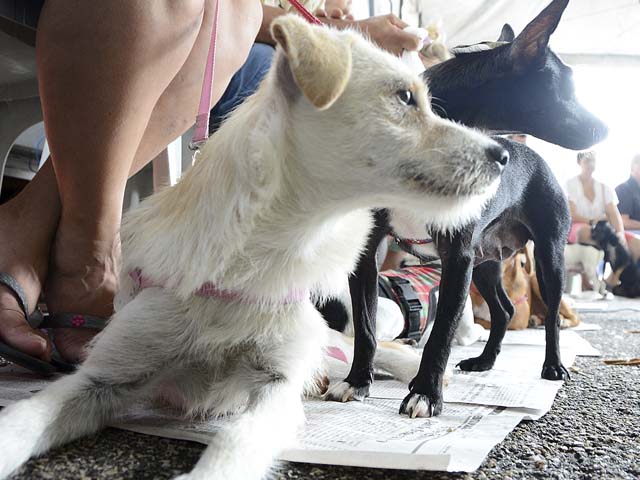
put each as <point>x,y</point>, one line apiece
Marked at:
<point>406,97</point>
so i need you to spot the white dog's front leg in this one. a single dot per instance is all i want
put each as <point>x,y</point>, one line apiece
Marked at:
<point>62,412</point>
<point>120,367</point>
<point>245,449</point>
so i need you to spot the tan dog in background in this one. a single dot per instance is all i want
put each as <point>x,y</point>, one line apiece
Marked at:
<point>521,284</point>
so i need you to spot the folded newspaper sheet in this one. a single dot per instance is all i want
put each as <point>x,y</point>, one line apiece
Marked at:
<point>480,410</point>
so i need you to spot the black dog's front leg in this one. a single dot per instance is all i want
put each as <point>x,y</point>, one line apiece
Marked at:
<point>425,397</point>
<point>363,287</point>
<point>487,277</point>
<point>550,274</point>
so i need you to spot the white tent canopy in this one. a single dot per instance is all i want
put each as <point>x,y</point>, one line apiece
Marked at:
<point>590,29</point>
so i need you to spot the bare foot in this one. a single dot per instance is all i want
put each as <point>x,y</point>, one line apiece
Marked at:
<point>24,250</point>
<point>82,279</point>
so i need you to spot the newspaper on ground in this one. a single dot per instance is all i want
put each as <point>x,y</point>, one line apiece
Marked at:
<point>480,410</point>
<point>585,327</point>
<point>569,340</point>
<point>594,302</point>
<point>368,434</point>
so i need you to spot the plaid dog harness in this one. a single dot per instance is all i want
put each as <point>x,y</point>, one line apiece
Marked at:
<point>414,289</point>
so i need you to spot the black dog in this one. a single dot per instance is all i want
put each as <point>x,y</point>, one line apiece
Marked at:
<point>520,210</point>
<point>519,86</point>
<point>629,285</point>
<point>619,258</point>
<point>615,254</point>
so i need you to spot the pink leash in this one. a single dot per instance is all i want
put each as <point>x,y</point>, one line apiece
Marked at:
<point>308,16</point>
<point>201,131</point>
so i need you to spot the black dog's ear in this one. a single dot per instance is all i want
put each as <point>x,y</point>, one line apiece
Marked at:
<point>507,34</point>
<point>530,46</point>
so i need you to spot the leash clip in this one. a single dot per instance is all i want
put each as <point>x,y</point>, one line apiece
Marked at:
<point>195,146</point>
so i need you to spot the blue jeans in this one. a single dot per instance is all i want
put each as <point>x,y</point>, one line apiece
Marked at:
<point>242,84</point>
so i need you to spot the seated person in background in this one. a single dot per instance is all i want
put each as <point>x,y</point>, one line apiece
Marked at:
<point>629,196</point>
<point>591,201</point>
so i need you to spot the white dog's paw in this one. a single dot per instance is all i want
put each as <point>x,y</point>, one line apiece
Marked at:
<point>416,405</point>
<point>345,392</point>
<point>16,445</point>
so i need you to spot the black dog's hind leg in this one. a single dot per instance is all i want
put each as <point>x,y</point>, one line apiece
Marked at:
<point>425,397</point>
<point>488,279</point>
<point>550,274</point>
<point>363,286</point>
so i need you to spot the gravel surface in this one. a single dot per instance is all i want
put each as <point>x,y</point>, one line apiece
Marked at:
<point>592,432</point>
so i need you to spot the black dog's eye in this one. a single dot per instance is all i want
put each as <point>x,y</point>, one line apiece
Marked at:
<point>406,97</point>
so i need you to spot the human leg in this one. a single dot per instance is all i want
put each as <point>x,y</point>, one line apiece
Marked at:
<point>243,84</point>
<point>156,98</point>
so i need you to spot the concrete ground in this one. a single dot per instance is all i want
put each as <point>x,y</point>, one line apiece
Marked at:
<point>592,432</point>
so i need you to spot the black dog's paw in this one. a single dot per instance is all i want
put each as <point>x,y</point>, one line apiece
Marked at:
<point>476,364</point>
<point>555,372</point>
<point>345,392</point>
<point>416,405</point>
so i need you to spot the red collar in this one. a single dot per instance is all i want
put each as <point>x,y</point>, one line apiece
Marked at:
<point>411,241</point>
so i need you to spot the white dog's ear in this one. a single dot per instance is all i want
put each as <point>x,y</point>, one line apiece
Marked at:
<point>320,61</point>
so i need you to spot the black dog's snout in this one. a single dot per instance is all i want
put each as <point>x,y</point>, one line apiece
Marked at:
<point>498,154</point>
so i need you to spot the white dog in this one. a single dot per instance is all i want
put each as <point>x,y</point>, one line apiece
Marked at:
<point>214,304</point>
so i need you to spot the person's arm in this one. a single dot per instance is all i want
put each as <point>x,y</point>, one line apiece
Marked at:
<point>625,207</point>
<point>577,218</point>
<point>615,219</point>
<point>629,223</point>
<point>384,30</point>
<point>269,14</point>
<point>612,212</point>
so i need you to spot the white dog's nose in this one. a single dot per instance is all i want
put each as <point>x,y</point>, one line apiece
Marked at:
<point>498,154</point>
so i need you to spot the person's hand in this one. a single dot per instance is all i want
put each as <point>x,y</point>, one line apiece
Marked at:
<point>385,31</point>
<point>335,14</point>
<point>336,9</point>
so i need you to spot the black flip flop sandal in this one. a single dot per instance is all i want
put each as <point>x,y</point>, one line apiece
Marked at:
<point>37,319</point>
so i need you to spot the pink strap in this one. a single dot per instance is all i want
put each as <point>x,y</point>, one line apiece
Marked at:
<point>208,289</point>
<point>201,132</point>
<point>310,17</point>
